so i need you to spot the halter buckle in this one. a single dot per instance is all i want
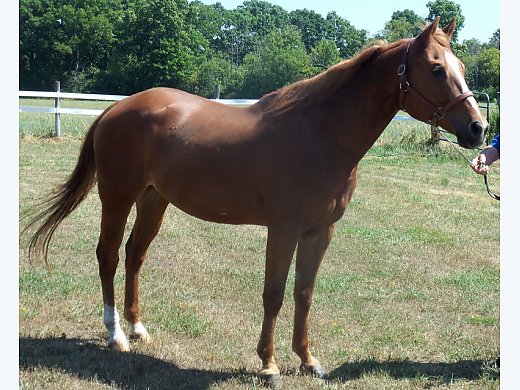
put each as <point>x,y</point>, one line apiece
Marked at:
<point>401,69</point>
<point>440,113</point>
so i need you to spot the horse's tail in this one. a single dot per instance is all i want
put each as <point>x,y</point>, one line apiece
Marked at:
<point>66,197</point>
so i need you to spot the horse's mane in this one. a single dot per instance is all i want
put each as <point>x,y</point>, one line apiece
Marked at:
<point>322,86</point>
<point>327,84</point>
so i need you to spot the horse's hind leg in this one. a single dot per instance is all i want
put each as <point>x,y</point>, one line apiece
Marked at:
<point>113,221</point>
<point>150,210</point>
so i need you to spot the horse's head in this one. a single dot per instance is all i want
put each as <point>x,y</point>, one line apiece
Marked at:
<point>433,88</point>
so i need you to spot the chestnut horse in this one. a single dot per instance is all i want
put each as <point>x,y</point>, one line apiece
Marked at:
<point>287,162</point>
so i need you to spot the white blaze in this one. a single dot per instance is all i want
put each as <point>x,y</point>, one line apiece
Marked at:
<point>454,71</point>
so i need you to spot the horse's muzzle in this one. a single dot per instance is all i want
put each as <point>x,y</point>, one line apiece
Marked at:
<point>474,136</point>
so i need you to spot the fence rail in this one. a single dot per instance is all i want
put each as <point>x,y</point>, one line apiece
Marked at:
<point>57,110</point>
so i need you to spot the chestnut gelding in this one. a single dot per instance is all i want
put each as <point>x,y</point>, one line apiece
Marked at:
<point>287,162</point>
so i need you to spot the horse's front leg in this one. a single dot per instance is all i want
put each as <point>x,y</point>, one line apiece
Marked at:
<point>311,249</point>
<point>281,243</point>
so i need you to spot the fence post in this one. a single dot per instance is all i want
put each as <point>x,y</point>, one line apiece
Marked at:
<point>435,135</point>
<point>57,105</point>
<point>217,91</point>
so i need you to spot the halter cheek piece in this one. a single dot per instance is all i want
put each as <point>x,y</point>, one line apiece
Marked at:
<point>438,111</point>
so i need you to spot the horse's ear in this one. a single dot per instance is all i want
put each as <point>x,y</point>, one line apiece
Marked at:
<point>449,29</point>
<point>428,32</point>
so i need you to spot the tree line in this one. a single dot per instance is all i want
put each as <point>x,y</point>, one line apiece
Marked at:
<point>125,46</point>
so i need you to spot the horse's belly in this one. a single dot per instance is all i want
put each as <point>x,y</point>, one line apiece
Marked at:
<point>214,196</point>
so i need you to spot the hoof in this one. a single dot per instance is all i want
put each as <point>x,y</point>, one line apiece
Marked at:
<point>316,370</point>
<point>139,333</point>
<point>272,381</point>
<point>141,337</point>
<point>119,345</point>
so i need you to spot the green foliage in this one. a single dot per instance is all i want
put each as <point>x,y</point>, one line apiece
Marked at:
<point>403,24</point>
<point>324,55</point>
<point>156,47</point>
<point>447,10</point>
<point>494,125</point>
<point>489,70</point>
<point>494,41</point>
<point>125,46</point>
<point>347,38</point>
<point>217,71</point>
<point>59,40</point>
<point>311,26</point>
<point>482,63</point>
<point>281,60</point>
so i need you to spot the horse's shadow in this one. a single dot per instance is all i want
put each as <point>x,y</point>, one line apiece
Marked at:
<point>87,360</point>
<point>443,372</point>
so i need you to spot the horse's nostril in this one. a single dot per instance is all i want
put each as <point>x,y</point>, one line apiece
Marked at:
<point>476,128</point>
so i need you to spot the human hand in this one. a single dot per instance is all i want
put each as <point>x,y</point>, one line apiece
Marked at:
<point>478,164</point>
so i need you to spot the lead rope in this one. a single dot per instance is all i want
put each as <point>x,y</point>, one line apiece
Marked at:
<point>443,138</point>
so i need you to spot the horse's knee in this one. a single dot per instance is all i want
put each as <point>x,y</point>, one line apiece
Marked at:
<point>273,300</point>
<point>303,298</point>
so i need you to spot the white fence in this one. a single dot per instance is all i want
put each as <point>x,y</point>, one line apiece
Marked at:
<point>57,110</point>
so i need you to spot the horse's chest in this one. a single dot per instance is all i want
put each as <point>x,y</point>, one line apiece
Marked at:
<point>339,199</point>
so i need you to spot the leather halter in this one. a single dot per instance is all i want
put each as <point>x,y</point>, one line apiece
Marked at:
<point>438,111</point>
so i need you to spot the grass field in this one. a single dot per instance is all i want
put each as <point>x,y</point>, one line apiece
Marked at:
<point>407,296</point>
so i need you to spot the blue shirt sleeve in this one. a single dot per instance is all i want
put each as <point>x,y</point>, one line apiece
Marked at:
<point>496,143</point>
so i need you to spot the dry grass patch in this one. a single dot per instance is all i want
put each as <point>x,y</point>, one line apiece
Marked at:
<point>407,297</point>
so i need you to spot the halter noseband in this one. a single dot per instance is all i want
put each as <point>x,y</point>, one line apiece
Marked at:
<point>438,111</point>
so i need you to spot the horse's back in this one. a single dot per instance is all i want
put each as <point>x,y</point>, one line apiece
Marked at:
<point>171,113</point>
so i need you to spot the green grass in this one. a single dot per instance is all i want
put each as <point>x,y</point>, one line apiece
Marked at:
<point>407,296</point>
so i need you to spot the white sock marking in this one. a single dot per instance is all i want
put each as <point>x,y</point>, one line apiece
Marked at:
<point>116,336</point>
<point>138,328</point>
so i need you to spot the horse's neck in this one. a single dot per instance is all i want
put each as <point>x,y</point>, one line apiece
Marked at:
<point>362,112</point>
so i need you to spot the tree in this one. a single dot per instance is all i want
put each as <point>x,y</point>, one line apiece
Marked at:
<point>156,47</point>
<point>65,41</point>
<point>209,21</point>
<point>311,26</point>
<point>347,38</point>
<point>447,10</point>
<point>489,71</point>
<point>482,63</point>
<point>218,71</point>
<point>324,55</point>
<point>472,46</point>
<point>125,46</point>
<point>249,23</point>
<point>281,60</point>
<point>403,24</point>
<point>494,41</point>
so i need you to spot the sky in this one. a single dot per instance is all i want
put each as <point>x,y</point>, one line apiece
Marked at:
<point>482,16</point>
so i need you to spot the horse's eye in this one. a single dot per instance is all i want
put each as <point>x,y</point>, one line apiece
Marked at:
<point>438,71</point>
